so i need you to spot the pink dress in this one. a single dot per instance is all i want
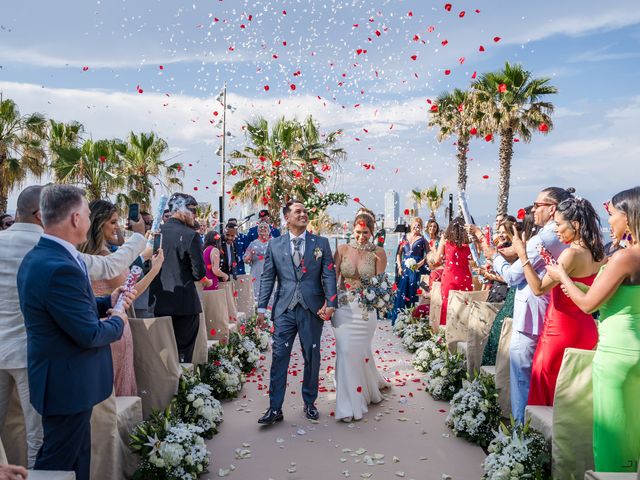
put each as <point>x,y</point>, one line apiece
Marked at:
<point>124,375</point>
<point>209,269</point>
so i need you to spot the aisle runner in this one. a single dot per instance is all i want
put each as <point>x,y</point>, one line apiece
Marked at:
<point>402,437</point>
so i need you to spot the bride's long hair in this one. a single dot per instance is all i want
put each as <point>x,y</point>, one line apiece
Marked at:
<point>366,217</point>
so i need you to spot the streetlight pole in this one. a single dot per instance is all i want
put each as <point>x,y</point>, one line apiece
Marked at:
<point>223,169</point>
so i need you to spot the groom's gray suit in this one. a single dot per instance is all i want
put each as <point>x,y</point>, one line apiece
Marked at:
<point>301,292</point>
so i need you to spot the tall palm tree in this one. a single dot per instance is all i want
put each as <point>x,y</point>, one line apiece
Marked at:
<point>288,160</point>
<point>513,102</point>
<point>144,166</point>
<point>22,149</point>
<point>454,114</point>
<point>64,134</point>
<point>96,166</point>
<point>434,198</point>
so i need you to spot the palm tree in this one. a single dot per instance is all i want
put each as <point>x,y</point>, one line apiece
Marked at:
<point>434,197</point>
<point>97,166</point>
<point>64,135</point>
<point>21,148</point>
<point>513,103</point>
<point>143,166</point>
<point>290,160</point>
<point>454,114</point>
<point>323,223</point>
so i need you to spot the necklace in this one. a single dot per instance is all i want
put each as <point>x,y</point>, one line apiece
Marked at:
<point>367,247</point>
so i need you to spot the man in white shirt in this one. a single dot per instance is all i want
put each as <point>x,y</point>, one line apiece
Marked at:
<point>15,243</point>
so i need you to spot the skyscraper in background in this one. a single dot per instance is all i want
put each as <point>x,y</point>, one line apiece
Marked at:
<point>391,208</point>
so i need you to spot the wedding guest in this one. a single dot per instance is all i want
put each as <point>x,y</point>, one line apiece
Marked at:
<point>173,292</point>
<point>255,255</point>
<point>565,326</point>
<point>166,215</point>
<point>228,254</point>
<point>411,262</point>
<point>505,233</point>
<point>433,234</point>
<point>68,354</point>
<point>616,364</point>
<point>147,218</point>
<point>212,259</point>
<point>104,226</point>
<point>6,221</point>
<point>15,243</point>
<point>529,309</point>
<point>263,216</point>
<point>453,254</point>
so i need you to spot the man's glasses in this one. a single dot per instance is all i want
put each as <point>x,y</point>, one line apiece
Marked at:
<point>543,204</point>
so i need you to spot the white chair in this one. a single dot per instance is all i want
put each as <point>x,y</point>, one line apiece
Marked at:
<point>458,309</point>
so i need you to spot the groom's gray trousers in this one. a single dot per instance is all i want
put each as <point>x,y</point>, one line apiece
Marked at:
<point>298,320</point>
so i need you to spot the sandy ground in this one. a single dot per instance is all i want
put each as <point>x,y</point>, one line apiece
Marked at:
<point>402,437</point>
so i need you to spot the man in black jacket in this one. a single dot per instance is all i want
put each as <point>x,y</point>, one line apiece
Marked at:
<point>228,253</point>
<point>174,290</point>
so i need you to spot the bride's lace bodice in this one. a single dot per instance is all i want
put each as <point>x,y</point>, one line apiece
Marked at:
<point>356,264</point>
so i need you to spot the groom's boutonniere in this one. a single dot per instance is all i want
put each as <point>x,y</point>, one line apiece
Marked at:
<point>317,253</point>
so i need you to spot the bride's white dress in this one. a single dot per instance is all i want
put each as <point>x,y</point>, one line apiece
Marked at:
<point>358,382</point>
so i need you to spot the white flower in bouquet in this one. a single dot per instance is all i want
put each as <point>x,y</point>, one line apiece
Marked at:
<point>384,285</point>
<point>445,376</point>
<point>410,263</point>
<point>171,453</point>
<point>374,281</point>
<point>370,295</point>
<point>386,297</point>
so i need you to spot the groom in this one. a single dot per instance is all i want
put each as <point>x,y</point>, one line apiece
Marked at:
<point>305,296</point>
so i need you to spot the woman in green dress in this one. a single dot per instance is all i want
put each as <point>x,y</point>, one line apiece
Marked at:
<point>616,364</point>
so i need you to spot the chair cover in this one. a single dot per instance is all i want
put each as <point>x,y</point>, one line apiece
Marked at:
<point>3,456</point>
<point>481,317</point>
<point>216,314</point>
<point>591,475</point>
<point>46,475</point>
<point>458,311</point>
<point>155,361</point>
<point>436,306</point>
<point>200,349</point>
<point>245,300</point>
<point>502,369</point>
<point>14,433</point>
<point>572,444</point>
<point>111,422</point>
<point>228,289</point>
<point>541,418</point>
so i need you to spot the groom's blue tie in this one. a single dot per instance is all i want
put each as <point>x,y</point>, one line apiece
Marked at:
<point>297,254</point>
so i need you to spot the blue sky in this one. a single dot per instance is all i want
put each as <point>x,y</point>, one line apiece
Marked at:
<point>589,49</point>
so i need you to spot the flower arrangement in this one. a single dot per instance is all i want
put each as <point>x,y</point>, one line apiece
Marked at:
<point>195,404</point>
<point>223,375</point>
<point>411,263</point>
<point>475,413</point>
<point>376,294</point>
<point>261,336</point>
<point>402,320</point>
<point>415,335</point>
<point>433,348</point>
<point>169,448</point>
<point>243,351</point>
<point>519,452</point>
<point>445,376</point>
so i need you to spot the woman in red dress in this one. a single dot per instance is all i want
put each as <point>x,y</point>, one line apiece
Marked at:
<point>453,254</point>
<point>565,325</point>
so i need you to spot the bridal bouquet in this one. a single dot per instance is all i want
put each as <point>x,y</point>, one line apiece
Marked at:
<point>223,376</point>
<point>517,453</point>
<point>195,404</point>
<point>243,352</point>
<point>433,348</point>
<point>475,413</point>
<point>169,449</point>
<point>376,294</point>
<point>415,334</point>
<point>444,378</point>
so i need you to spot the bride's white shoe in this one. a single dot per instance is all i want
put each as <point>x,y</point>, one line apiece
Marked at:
<point>347,419</point>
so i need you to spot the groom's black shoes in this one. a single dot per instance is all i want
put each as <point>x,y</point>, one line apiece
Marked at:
<point>271,416</point>
<point>311,411</point>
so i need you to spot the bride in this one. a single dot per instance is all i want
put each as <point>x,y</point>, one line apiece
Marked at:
<point>358,382</point>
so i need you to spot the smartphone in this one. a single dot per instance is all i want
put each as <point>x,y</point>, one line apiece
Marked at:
<point>157,242</point>
<point>134,212</point>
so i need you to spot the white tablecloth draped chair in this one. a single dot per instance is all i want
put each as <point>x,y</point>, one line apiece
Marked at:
<point>216,314</point>
<point>200,348</point>
<point>245,299</point>
<point>481,317</point>
<point>155,362</point>
<point>435,306</point>
<point>111,422</point>
<point>458,309</point>
<point>232,306</point>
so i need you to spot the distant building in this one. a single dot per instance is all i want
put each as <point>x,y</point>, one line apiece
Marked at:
<point>391,208</point>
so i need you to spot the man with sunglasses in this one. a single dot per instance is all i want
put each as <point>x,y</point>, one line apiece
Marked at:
<point>173,291</point>
<point>529,310</point>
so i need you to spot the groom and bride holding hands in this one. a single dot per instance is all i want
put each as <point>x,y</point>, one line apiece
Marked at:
<point>311,288</point>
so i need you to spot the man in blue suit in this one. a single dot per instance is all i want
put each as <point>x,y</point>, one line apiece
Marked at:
<point>68,355</point>
<point>305,296</point>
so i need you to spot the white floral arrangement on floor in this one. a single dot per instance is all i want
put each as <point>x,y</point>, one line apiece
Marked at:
<point>402,320</point>
<point>474,412</point>
<point>223,376</point>
<point>261,336</point>
<point>169,449</point>
<point>195,404</point>
<point>445,376</point>
<point>519,452</point>
<point>243,352</point>
<point>415,335</point>
<point>430,350</point>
